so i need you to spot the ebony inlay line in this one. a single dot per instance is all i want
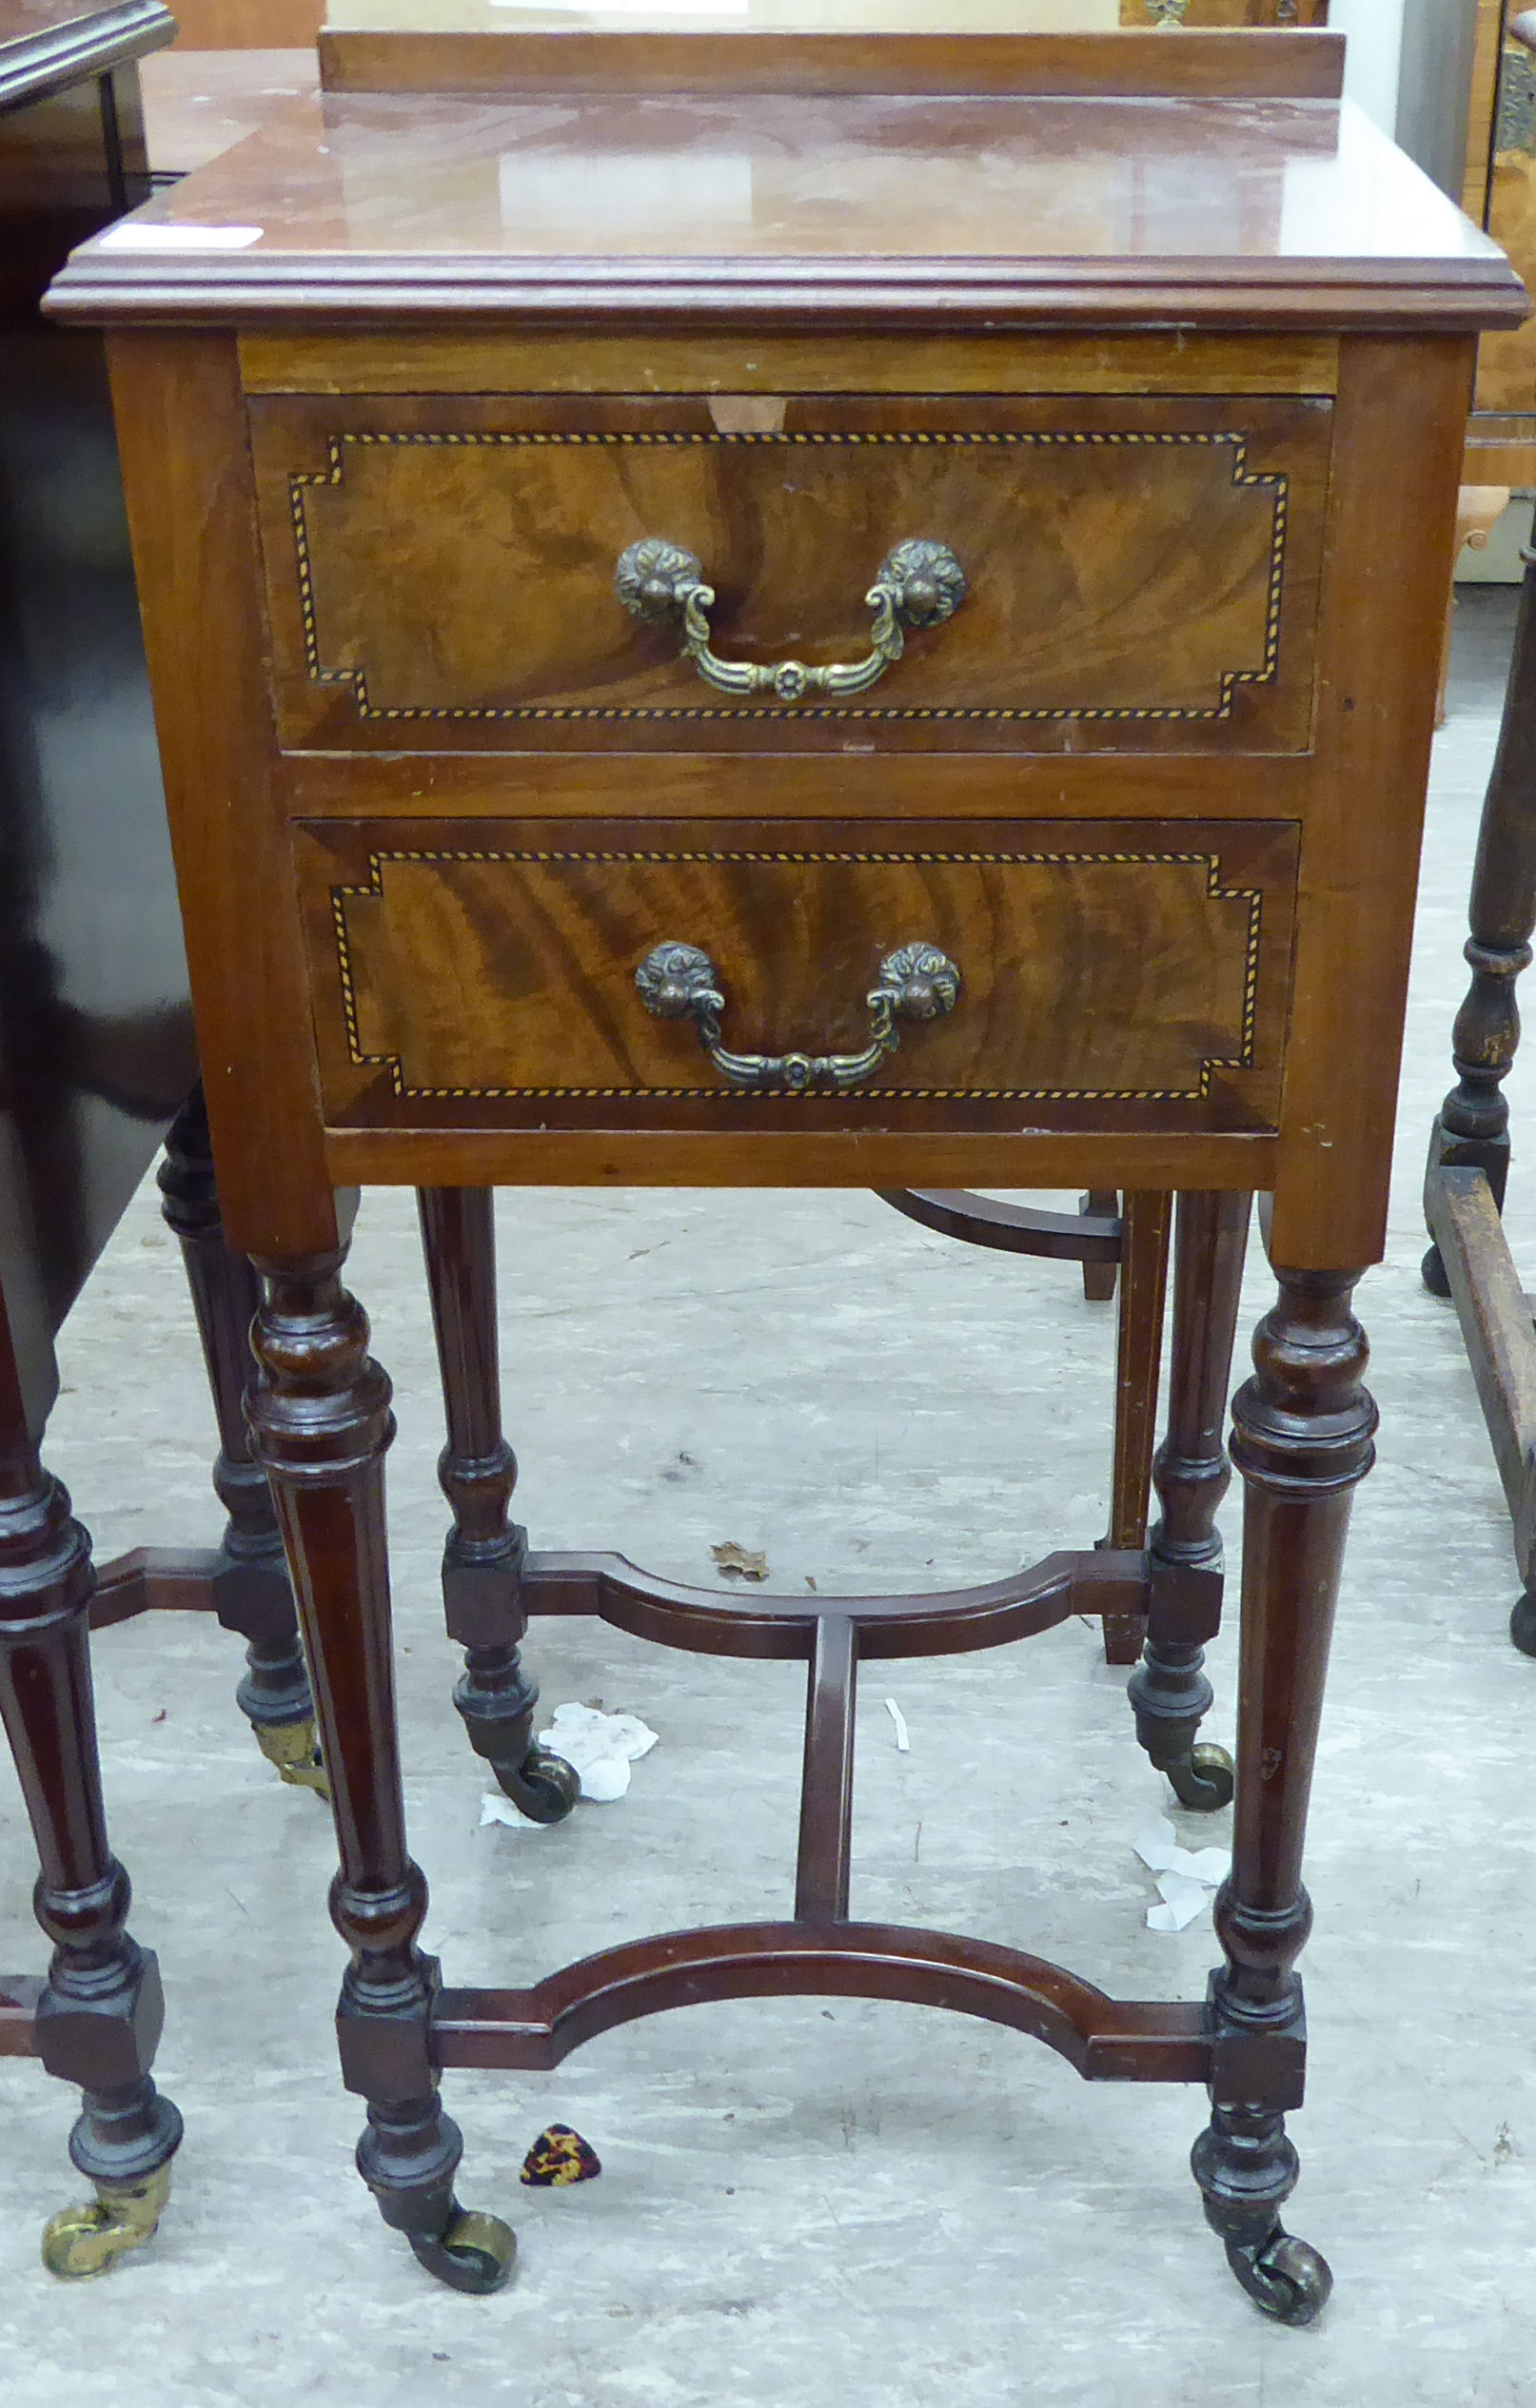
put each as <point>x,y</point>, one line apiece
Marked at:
<point>827,1784</point>
<point>954,1212</point>
<point>938,1622</point>
<point>1106,2039</point>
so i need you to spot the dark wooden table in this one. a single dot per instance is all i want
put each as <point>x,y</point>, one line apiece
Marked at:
<point>630,647</point>
<point>98,1058</point>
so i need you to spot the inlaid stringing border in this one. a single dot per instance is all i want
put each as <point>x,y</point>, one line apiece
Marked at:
<point>1274,481</point>
<point>1241,1059</point>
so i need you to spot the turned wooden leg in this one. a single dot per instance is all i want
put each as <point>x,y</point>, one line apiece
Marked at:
<point>1169,1690</point>
<point>251,1594</point>
<point>1098,1278</point>
<point>100,2013</point>
<point>482,1559</point>
<point>1472,1129</point>
<point>1472,1132</point>
<point>1144,1220</point>
<point>321,1420</point>
<point>1302,1438</point>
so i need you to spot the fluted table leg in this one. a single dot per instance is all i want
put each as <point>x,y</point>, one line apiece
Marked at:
<point>1169,1690</point>
<point>482,1559</point>
<point>320,1416</point>
<point>251,1594</point>
<point>100,2014</point>
<point>1302,1440</point>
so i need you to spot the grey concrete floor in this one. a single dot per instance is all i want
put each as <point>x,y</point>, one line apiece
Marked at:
<point>807,2202</point>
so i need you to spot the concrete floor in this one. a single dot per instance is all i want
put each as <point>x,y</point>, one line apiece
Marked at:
<point>853,2204</point>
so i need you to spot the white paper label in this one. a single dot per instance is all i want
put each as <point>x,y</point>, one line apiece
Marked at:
<point>132,236</point>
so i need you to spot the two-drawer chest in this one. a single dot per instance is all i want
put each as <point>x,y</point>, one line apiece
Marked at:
<point>835,608</point>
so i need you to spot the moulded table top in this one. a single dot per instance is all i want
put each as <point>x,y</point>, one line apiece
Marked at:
<point>48,44</point>
<point>995,209</point>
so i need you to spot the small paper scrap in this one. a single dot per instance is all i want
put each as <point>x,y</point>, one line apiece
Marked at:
<point>732,1557</point>
<point>902,1740</point>
<point>1186,1878</point>
<point>601,1748</point>
<point>156,236</point>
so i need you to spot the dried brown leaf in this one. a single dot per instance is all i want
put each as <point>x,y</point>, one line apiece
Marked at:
<point>745,1560</point>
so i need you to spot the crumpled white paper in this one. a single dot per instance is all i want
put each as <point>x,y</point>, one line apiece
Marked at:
<point>600,1747</point>
<point>1186,1878</point>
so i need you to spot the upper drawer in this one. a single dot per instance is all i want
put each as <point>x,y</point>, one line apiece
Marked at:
<point>1141,574</point>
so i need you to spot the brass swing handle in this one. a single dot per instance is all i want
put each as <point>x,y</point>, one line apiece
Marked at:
<point>917,585</point>
<point>679,982</point>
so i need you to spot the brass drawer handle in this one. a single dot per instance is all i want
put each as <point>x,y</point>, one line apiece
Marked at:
<point>679,982</point>
<point>917,585</point>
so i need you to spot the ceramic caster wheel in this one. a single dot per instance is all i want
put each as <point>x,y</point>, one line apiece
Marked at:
<point>472,2252</point>
<point>543,1786</point>
<point>1522,1624</point>
<point>1432,1272</point>
<point>1204,1781</point>
<point>1288,2278</point>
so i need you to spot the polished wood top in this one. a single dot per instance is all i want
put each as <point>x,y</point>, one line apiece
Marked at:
<point>199,102</point>
<point>966,211</point>
<point>46,45</point>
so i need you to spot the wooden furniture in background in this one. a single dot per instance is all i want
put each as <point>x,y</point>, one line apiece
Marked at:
<point>1500,192</point>
<point>97,1052</point>
<point>1468,1167</point>
<point>1194,14</point>
<point>518,875</point>
<point>95,1041</point>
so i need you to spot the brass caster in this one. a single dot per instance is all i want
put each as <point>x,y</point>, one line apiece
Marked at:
<point>543,1786</point>
<point>1203,1780</point>
<point>294,1750</point>
<point>472,2252</point>
<point>1288,2278</point>
<point>85,2241</point>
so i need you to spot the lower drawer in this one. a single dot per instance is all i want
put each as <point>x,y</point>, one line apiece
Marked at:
<point>512,974</point>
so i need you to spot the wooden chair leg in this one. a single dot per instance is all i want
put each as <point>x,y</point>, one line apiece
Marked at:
<point>321,1420</point>
<point>1146,1219</point>
<point>482,1559</point>
<point>250,1591</point>
<point>1169,1690</point>
<point>100,2012</point>
<point>1302,1438</point>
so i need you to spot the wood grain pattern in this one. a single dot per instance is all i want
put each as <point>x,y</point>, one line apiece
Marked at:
<point>1137,64</point>
<point>1400,422</point>
<point>441,574</point>
<point>1143,967</point>
<point>187,473</point>
<point>515,361</point>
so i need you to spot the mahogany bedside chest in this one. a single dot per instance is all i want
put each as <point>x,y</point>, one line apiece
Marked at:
<point>833,609</point>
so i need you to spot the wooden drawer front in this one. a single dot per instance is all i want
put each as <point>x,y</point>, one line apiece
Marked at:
<point>1142,574</point>
<point>482,974</point>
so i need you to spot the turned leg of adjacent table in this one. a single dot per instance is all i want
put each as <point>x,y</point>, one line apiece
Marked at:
<point>1303,1426</point>
<point>1470,1143</point>
<point>483,1560</point>
<point>250,1591</point>
<point>100,2011</point>
<point>1169,1690</point>
<point>1138,1356</point>
<point>321,1420</point>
